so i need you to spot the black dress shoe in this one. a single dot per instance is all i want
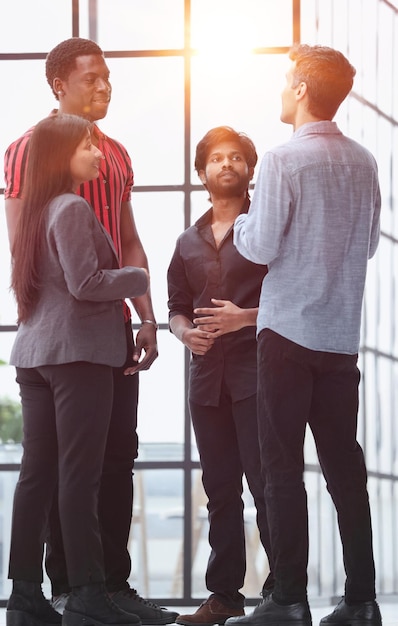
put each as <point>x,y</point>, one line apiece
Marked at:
<point>268,613</point>
<point>27,605</point>
<point>364,614</point>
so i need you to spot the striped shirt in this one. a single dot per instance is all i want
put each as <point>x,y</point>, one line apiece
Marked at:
<point>105,193</point>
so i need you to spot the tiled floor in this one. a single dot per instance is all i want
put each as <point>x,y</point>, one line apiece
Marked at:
<point>389,613</point>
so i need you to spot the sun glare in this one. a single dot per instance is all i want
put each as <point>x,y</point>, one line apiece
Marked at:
<point>221,36</point>
<point>223,30</point>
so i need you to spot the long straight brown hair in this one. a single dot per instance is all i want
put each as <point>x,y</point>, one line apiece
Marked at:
<point>53,142</point>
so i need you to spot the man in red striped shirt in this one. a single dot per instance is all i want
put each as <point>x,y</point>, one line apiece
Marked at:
<point>79,78</point>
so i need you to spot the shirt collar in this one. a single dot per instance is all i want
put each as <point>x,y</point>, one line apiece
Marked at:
<point>324,127</point>
<point>205,219</point>
<point>97,132</point>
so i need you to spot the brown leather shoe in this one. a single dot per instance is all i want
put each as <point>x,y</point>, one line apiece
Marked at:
<point>210,612</point>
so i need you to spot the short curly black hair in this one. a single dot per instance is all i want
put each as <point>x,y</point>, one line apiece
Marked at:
<point>219,134</point>
<point>61,60</point>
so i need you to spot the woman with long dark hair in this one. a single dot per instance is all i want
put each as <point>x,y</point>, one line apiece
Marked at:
<point>69,290</point>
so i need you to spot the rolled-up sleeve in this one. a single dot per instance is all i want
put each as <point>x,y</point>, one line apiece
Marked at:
<point>258,235</point>
<point>180,297</point>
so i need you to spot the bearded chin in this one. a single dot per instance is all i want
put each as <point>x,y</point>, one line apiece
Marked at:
<point>231,191</point>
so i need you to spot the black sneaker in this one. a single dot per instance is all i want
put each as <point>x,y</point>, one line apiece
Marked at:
<point>90,605</point>
<point>148,612</point>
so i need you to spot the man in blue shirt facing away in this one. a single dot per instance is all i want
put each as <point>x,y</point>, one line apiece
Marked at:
<point>314,220</point>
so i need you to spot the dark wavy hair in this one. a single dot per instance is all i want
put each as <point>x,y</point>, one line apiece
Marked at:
<point>216,136</point>
<point>53,142</point>
<point>61,60</point>
<point>329,77</point>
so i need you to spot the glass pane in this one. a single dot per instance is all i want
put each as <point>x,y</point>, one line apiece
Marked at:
<point>200,534</point>
<point>385,85</point>
<point>10,406</point>
<point>394,55</point>
<point>8,480</point>
<point>394,183</point>
<point>229,25</point>
<point>147,115</point>
<point>369,51</point>
<point>257,562</point>
<point>383,501</point>
<point>159,217</point>
<point>156,536</point>
<point>162,402</point>
<point>383,155</point>
<point>34,26</point>
<point>386,313</point>
<point>199,205</point>
<point>371,306</point>
<point>245,96</point>
<point>308,21</point>
<point>138,25</point>
<point>29,99</point>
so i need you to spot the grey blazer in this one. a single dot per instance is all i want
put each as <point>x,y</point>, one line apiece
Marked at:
<point>79,314</point>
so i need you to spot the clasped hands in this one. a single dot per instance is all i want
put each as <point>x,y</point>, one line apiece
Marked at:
<point>224,317</point>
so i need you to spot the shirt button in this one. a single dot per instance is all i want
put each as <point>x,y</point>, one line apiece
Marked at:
<point>106,207</point>
<point>104,181</point>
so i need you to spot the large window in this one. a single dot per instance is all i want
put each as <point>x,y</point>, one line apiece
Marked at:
<point>179,68</point>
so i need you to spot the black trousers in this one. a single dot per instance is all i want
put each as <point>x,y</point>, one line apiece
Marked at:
<point>66,414</point>
<point>116,489</point>
<point>227,441</point>
<point>297,386</point>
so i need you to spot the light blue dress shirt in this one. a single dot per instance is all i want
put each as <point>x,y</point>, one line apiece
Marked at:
<point>315,221</point>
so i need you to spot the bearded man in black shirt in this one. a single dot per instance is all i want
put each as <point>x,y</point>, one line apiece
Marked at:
<point>213,304</point>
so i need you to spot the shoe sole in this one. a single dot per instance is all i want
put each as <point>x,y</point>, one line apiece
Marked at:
<point>161,622</point>
<point>70,618</point>
<point>147,621</point>
<point>265,621</point>
<point>21,618</point>
<point>188,623</point>
<point>353,622</point>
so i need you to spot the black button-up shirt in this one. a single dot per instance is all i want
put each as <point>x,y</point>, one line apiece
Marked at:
<point>198,272</point>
